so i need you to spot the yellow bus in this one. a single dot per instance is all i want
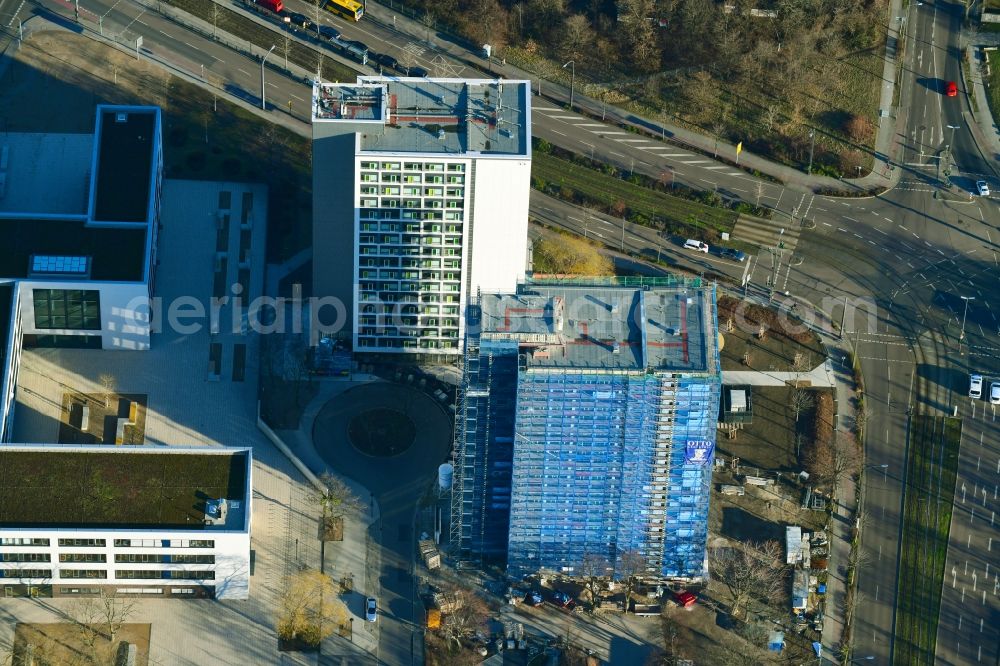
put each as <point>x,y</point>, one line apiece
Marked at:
<point>349,9</point>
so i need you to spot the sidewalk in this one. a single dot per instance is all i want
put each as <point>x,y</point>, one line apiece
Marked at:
<point>837,371</point>
<point>984,128</point>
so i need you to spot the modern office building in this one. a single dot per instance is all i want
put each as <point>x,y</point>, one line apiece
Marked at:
<point>79,218</point>
<point>135,520</point>
<point>420,200</point>
<point>586,425</point>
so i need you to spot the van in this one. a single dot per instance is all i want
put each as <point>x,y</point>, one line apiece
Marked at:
<point>696,245</point>
<point>976,386</point>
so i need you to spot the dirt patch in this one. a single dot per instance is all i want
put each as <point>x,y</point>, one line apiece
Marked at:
<point>787,344</point>
<point>204,136</point>
<point>63,643</point>
<point>771,441</point>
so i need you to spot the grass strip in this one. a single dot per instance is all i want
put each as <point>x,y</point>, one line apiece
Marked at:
<point>640,205</point>
<point>927,502</point>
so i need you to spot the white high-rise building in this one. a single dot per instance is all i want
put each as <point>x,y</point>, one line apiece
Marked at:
<point>420,199</point>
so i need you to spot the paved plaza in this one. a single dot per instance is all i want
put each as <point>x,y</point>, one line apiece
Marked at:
<point>192,401</point>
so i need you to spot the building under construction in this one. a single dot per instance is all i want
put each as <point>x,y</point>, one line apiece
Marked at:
<point>586,425</point>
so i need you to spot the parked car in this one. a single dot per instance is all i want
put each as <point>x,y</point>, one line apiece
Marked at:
<point>950,89</point>
<point>562,600</point>
<point>982,188</point>
<point>418,71</point>
<point>299,20</point>
<point>976,386</point>
<point>533,598</point>
<point>384,60</point>
<point>995,393</point>
<point>696,245</point>
<point>326,32</point>
<point>685,598</point>
<point>371,609</point>
<point>732,253</point>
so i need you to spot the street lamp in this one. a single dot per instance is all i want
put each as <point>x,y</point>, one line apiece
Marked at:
<point>884,467</point>
<point>965,311</point>
<point>952,128</point>
<point>572,81</point>
<point>263,102</point>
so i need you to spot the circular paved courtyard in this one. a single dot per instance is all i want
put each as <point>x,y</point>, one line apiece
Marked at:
<point>389,437</point>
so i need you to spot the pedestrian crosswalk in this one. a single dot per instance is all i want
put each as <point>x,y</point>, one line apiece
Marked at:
<point>765,233</point>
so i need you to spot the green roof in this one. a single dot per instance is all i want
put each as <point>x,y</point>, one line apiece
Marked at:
<point>123,487</point>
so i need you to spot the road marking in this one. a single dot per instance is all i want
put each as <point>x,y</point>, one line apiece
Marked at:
<point>697,162</point>
<point>842,229</point>
<point>589,125</point>
<point>297,97</point>
<point>243,70</point>
<point>849,218</point>
<point>880,231</point>
<point>558,132</point>
<point>614,153</point>
<point>565,117</point>
<point>717,167</point>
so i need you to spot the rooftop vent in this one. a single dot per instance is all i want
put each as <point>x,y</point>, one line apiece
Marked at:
<point>216,511</point>
<point>121,117</point>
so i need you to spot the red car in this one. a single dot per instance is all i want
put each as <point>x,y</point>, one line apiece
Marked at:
<point>685,598</point>
<point>950,89</point>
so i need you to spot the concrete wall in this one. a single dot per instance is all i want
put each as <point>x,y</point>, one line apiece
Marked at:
<point>334,219</point>
<point>12,354</point>
<point>499,225</point>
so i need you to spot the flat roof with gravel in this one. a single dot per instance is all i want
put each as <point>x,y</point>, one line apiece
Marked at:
<point>118,487</point>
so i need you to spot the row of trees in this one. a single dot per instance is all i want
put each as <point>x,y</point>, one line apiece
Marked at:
<point>712,62</point>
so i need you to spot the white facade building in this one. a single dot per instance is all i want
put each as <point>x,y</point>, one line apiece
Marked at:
<point>79,219</point>
<point>127,536</point>
<point>421,190</point>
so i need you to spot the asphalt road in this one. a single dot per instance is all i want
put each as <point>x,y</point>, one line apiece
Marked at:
<point>906,258</point>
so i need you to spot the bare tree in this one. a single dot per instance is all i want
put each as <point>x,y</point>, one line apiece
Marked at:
<point>99,621</point>
<point>846,459</point>
<point>338,500</point>
<point>214,11</point>
<point>750,572</point>
<point>629,568</point>
<point>593,568</point>
<point>468,615</point>
<point>310,609</point>
<point>108,386</point>
<point>802,399</point>
<point>286,46</point>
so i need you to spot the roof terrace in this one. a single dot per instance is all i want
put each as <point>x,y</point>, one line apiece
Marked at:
<point>418,115</point>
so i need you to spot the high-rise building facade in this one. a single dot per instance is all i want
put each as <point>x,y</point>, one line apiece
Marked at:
<point>420,200</point>
<point>587,426</point>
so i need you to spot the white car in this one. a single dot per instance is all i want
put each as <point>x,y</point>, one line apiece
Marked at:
<point>982,188</point>
<point>995,393</point>
<point>976,386</point>
<point>696,245</point>
<point>371,609</point>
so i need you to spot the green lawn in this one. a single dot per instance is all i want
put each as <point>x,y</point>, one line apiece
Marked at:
<point>930,487</point>
<point>643,205</point>
<point>125,486</point>
<point>993,82</point>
